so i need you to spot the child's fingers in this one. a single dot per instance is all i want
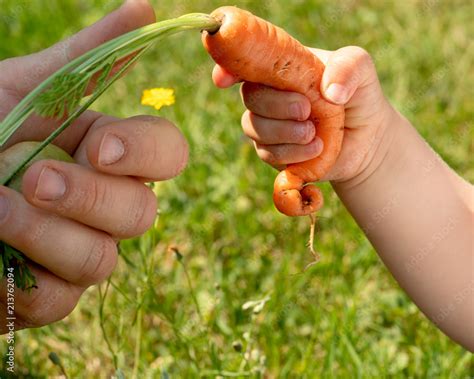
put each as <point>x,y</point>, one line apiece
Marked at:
<point>278,155</point>
<point>268,131</point>
<point>223,78</point>
<point>348,69</point>
<point>271,103</point>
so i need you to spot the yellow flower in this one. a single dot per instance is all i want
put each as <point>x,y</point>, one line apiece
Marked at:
<point>158,97</point>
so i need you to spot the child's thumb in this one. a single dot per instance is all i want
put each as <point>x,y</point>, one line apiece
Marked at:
<point>347,69</point>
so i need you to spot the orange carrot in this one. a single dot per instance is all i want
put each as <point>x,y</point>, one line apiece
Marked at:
<point>255,50</point>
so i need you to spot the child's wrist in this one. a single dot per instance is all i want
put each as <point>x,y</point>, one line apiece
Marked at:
<point>386,152</point>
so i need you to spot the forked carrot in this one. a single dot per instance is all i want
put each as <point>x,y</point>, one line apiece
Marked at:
<point>257,51</point>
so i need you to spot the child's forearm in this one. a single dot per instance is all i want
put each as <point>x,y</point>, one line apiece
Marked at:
<point>418,214</point>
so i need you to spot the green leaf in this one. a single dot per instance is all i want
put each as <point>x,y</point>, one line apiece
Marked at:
<point>14,259</point>
<point>65,94</point>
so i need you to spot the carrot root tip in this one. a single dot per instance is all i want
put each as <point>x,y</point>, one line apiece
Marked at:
<point>295,202</point>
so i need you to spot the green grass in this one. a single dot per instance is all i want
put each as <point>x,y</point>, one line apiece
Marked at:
<point>344,317</point>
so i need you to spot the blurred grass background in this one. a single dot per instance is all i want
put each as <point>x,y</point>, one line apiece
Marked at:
<point>182,315</point>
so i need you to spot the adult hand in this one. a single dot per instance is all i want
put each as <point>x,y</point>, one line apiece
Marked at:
<point>70,216</point>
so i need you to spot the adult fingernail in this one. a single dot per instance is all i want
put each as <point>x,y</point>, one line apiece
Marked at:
<point>337,93</point>
<point>296,111</point>
<point>111,150</point>
<point>4,207</point>
<point>50,186</point>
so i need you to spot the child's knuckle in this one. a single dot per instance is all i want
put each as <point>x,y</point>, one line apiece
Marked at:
<point>362,56</point>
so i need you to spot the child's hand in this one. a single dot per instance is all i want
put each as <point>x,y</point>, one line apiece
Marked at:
<point>277,121</point>
<point>383,159</point>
